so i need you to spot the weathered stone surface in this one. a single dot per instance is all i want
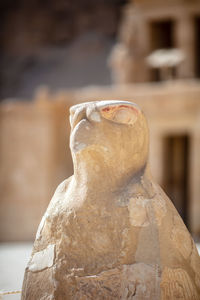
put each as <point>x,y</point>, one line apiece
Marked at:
<point>110,232</point>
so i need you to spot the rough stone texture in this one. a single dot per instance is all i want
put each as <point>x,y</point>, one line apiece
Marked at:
<point>110,230</point>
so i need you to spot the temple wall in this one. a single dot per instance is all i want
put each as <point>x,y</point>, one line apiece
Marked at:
<point>34,159</point>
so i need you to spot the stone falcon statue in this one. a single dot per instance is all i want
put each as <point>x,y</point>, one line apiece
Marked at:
<point>110,232</point>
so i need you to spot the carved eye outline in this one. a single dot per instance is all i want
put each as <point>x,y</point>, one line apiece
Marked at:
<point>120,112</point>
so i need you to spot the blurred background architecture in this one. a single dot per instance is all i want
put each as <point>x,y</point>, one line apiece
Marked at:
<point>152,25</point>
<point>58,53</point>
<point>60,44</point>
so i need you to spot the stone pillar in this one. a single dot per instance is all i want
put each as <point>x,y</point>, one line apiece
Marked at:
<point>134,36</point>
<point>143,47</point>
<point>185,40</point>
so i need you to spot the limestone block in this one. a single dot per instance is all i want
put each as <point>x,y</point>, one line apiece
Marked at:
<point>110,232</point>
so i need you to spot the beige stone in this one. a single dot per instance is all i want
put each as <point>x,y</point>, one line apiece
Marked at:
<point>110,232</point>
<point>33,162</point>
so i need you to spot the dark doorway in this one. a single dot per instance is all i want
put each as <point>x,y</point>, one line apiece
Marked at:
<point>176,172</point>
<point>161,34</point>
<point>161,37</point>
<point>197,46</point>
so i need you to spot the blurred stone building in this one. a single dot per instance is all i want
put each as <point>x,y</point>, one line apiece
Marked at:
<point>149,25</point>
<point>34,135</point>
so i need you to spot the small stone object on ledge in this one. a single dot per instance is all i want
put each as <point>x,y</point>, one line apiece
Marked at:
<point>110,232</point>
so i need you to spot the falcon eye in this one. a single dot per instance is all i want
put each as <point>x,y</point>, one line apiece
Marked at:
<point>123,114</point>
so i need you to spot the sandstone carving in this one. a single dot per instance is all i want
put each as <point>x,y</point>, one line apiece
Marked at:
<point>110,232</point>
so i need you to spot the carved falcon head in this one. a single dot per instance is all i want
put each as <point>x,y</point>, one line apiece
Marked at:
<point>111,134</point>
